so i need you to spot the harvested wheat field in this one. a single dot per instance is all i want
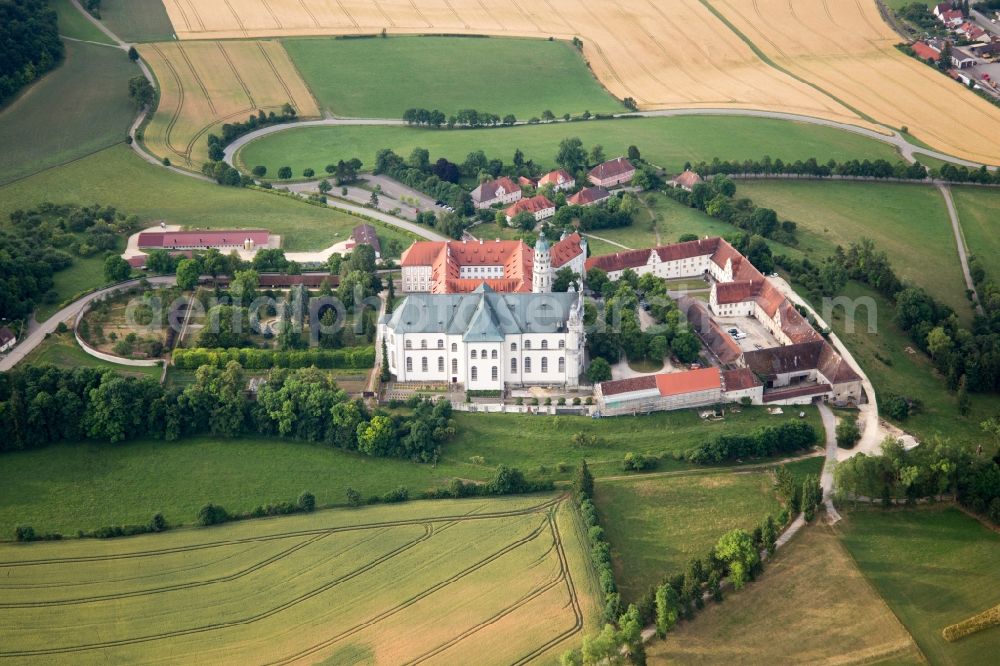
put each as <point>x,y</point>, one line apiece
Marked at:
<point>206,84</point>
<point>846,49</point>
<point>490,581</point>
<point>681,57</point>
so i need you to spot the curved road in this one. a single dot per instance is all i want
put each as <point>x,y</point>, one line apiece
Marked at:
<point>35,337</point>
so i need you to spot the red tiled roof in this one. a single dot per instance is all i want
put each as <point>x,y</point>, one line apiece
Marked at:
<point>688,179</point>
<point>137,261</point>
<point>926,52</point>
<point>565,250</point>
<point>635,258</point>
<point>734,292</point>
<point>611,169</point>
<point>446,260</point>
<point>630,385</point>
<point>534,205</point>
<point>739,379</point>
<point>588,195</point>
<point>555,178</point>
<point>524,180</point>
<point>205,239</point>
<point>364,234</point>
<point>487,191</point>
<point>691,381</point>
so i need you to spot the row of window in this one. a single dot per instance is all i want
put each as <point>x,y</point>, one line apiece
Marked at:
<point>424,365</point>
<point>513,346</point>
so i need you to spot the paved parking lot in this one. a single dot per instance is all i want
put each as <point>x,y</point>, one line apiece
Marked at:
<point>755,332</point>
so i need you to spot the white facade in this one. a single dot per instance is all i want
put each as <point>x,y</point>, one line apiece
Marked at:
<point>542,274</point>
<point>417,278</point>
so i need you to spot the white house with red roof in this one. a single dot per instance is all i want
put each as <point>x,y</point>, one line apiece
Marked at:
<point>558,179</point>
<point>589,196</point>
<point>500,191</point>
<point>689,389</point>
<point>687,180</point>
<point>612,173</point>
<point>539,206</point>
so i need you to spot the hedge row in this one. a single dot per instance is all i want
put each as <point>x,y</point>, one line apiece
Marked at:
<point>788,437</point>
<point>976,623</point>
<point>361,358</point>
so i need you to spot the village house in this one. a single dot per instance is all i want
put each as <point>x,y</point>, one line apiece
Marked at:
<point>540,207</point>
<point>588,196</point>
<point>558,179</point>
<point>690,389</point>
<point>687,180</point>
<point>925,51</point>
<point>457,267</point>
<point>962,59</point>
<point>973,33</point>
<point>7,339</point>
<point>948,15</point>
<point>614,172</point>
<point>524,181</point>
<point>486,340</point>
<point>493,192</point>
<point>364,234</point>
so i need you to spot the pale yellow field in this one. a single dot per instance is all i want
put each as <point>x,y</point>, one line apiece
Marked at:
<point>675,54</point>
<point>486,581</point>
<point>206,84</point>
<point>844,47</point>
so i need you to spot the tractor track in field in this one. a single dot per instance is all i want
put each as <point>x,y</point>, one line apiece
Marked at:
<point>284,535</point>
<point>308,11</point>
<point>419,13</point>
<point>531,536</point>
<point>239,79</point>
<point>236,16</point>
<point>274,17</point>
<point>381,10</point>
<point>168,131</point>
<point>428,533</point>
<point>197,78</point>
<point>274,69</point>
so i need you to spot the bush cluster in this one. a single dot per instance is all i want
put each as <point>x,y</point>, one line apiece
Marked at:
<point>264,359</point>
<point>788,437</point>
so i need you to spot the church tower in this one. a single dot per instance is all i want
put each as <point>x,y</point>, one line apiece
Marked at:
<point>541,274</point>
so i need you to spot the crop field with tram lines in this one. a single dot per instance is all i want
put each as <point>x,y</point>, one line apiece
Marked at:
<point>832,60</point>
<point>206,84</point>
<point>457,581</point>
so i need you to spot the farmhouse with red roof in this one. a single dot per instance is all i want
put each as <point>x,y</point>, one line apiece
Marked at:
<point>492,192</point>
<point>558,179</point>
<point>611,173</point>
<point>588,196</point>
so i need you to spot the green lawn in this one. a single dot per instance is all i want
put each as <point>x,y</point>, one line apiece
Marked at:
<point>934,566</point>
<point>118,177</point>
<point>657,525</point>
<point>667,142</point>
<point>447,73</point>
<point>78,109</point>
<point>62,350</point>
<point>129,482</point>
<point>74,24</point>
<point>979,213</point>
<point>82,275</point>
<point>137,20</point>
<point>910,222</point>
<point>894,365</point>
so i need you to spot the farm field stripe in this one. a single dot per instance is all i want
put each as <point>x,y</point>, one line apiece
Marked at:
<point>274,17</point>
<point>239,79</point>
<point>428,533</point>
<point>764,57</point>
<point>197,78</point>
<point>197,15</point>
<point>308,11</point>
<point>461,20</point>
<point>236,16</point>
<point>277,76</point>
<point>378,5</point>
<point>168,131</point>
<point>348,14</point>
<point>283,535</point>
<point>420,14</point>
<point>534,534</point>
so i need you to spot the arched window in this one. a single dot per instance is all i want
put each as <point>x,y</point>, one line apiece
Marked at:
<point>409,364</point>
<point>440,363</point>
<point>423,364</point>
<point>562,364</point>
<point>545,364</point>
<point>484,353</point>
<point>423,344</point>
<point>513,366</point>
<point>493,354</point>
<point>409,344</point>
<point>454,346</point>
<point>545,344</point>
<point>454,366</point>
<point>440,344</point>
<point>495,374</point>
<point>473,373</point>
<point>562,344</point>
<point>527,365</point>
<point>513,346</point>
<point>473,354</point>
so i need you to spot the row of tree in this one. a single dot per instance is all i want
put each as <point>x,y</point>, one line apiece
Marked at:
<point>878,168</point>
<point>43,405</point>
<point>29,33</point>
<point>464,118</point>
<point>789,437</point>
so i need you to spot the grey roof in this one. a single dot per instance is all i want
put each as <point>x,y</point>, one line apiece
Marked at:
<point>484,315</point>
<point>541,245</point>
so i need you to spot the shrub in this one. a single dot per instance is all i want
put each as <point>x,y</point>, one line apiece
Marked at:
<point>25,533</point>
<point>848,433</point>
<point>158,523</point>
<point>400,494</point>
<point>308,173</point>
<point>353,497</point>
<point>211,514</point>
<point>307,502</point>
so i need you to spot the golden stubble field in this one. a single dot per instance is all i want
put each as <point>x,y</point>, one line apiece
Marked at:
<point>486,581</point>
<point>674,55</point>
<point>204,84</point>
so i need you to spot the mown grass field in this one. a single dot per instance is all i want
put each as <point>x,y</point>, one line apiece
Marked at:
<point>129,482</point>
<point>155,194</point>
<point>75,25</point>
<point>656,525</point>
<point>61,349</point>
<point>979,213</point>
<point>810,596</point>
<point>910,222</point>
<point>77,109</point>
<point>934,566</point>
<point>667,142</point>
<point>894,365</point>
<point>491,581</point>
<point>422,72</point>
<point>137,20</point>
